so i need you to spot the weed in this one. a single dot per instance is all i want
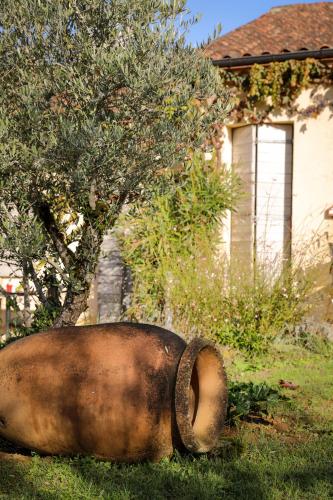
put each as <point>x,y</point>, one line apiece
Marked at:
<point>303,335</point>
<point>250,399</point>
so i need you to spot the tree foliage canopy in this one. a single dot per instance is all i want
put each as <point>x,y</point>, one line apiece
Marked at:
<point>97,97</point>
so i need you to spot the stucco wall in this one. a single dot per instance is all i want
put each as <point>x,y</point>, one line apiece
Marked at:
<point>312,188</point>
<point>313,177</point>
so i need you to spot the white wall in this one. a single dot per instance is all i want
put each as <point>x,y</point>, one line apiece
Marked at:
<point>312,186</point>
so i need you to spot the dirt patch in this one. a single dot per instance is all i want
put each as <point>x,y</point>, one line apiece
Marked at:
<point>230,432</point>
<point>14,457</point>
<point>276,428</point>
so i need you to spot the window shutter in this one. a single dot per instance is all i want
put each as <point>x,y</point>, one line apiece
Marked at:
<point>273,192</point>
<point>242,221</point>
<point>261,227</point>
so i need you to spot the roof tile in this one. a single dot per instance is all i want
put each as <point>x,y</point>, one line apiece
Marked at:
<point>286,28</point>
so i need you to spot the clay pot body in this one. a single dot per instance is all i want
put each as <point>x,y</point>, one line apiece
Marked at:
<point>120,391</point>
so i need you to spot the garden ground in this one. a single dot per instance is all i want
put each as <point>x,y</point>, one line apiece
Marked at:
<point>287,454</point>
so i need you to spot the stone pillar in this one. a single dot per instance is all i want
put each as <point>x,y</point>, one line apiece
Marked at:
<point>112,280</point>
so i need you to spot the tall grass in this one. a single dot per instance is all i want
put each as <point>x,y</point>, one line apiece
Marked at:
<point>182,279</point>
<point>165,233</point>
<point>242,309</point>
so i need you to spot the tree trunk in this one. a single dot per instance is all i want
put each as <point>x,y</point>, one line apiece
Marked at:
<point>26,298</point>
<point>84,263</point>
<point>71,311</point>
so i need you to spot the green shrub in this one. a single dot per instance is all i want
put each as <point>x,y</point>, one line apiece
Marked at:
<point>182,277</point>
<point>166,233</point>
<point>243,310</point>
<point>247,399</point>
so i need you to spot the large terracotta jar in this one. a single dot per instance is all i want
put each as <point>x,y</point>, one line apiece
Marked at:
<point>121,391</point>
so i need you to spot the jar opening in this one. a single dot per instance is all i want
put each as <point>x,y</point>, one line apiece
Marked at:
<point>201,396</point>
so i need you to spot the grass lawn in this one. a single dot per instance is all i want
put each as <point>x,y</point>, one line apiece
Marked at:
<point>289,455</point>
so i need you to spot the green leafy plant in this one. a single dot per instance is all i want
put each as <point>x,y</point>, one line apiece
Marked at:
<point>266,88</point>
<point>248,399</point>
<point>160,240</point>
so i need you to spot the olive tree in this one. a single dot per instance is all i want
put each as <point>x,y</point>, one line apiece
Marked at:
<point>97,97</point>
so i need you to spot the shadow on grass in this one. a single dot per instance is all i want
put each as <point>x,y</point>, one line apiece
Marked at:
<point>15,482</point>
<point>265,467</point>
<point>207,479</point>
<point>307,478</point>
<point>183,477</point>
<point>180,478</point>
<point>14,477</point>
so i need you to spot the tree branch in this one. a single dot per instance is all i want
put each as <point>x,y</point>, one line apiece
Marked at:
<point>4,292</point>
<point>57,268</point>
<point>36,281</point>
<point>43,212</point>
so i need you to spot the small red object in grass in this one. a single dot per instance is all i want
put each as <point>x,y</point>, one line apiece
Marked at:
<point>288,385</point>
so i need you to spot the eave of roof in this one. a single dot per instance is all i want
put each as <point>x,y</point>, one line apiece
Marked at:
<point>237,62</point>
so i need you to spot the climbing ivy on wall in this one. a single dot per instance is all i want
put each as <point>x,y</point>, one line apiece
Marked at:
<point>263,89</point>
